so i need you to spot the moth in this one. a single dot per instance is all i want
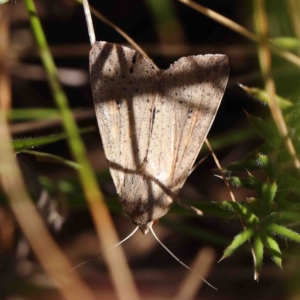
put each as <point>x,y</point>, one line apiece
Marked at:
<point>153,122</point>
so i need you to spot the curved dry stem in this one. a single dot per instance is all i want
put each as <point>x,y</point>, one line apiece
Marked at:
<point>289,56</point>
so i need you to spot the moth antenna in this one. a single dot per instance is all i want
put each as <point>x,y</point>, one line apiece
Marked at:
<point>176,258</point>
<point>85,262</point>
<point>89,21</point>
<point>173,255</point>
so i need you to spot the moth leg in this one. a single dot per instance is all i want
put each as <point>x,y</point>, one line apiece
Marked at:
<point>197,211</point>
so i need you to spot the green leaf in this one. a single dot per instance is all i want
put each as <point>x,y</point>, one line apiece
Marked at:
<point>267,131</point>
<point>258,248</point>
<point>231,138</point>
<point>276,217</point>
<point>288,182</point>
<point>247,164</point>
<point>254,182</point>
<point>251,182</point>
<point>235,181</point>
<point>267,197</point>
<point>46,157</point>
<point>286,42</point>
<point>282,216</point>
<point>281,195</point>
<point>284,232</point>
<point>252,206</point>
<point>269,219</point>
<point>28,143</point>
<point>264,163</point>
<point>241,210</point>
<point>262,160</point>
<point>240,239</point>
<point>274,250</point>
<point>262,96</point>
<point>290,216</point>
<point>227,205</point>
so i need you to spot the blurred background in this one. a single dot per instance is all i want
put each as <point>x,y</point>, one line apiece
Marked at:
<point>166,30</point>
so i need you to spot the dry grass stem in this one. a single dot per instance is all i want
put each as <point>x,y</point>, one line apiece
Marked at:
<point>40,125</point>
<point>192,283</point>
<point>266,62</point>
<point>50,256</point>
<point>117,265</point>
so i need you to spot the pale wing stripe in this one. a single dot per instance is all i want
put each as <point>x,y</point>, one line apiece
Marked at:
<point>123,108</point>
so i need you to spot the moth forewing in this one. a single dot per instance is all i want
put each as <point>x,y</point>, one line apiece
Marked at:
<point>189,95</point>
<point>153,123</point>
<point>123,84</point>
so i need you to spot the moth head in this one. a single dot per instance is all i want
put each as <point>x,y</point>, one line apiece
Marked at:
<point>145,214</point>
<point>144,228</point>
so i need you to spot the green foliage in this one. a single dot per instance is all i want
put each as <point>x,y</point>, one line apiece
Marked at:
<point>32,142</point>
<point>24,145</point>
<point>267,171</point>
<point>262,96</point>
<point>276,206</point>
<point>274,249</point>
<point>239,240</point>
<point>33,114</point>
<point>287,42</point>
<point>258,249</point>
<point>46,157</point>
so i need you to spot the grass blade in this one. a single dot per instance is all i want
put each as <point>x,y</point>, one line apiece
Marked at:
<point>46,157</point>
<point>119,270</point>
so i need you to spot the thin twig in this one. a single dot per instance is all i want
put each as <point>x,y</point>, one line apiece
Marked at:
<point>220,169</point>
<point>89,21</point>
